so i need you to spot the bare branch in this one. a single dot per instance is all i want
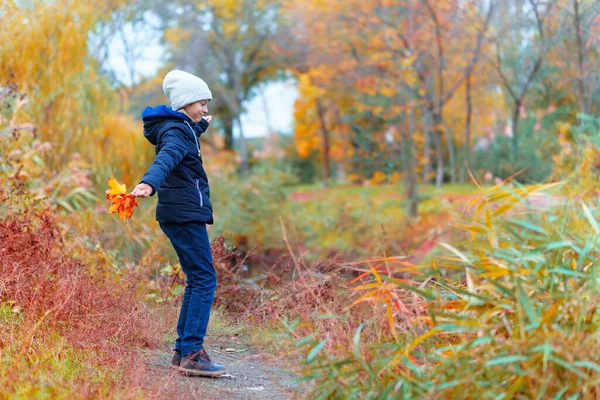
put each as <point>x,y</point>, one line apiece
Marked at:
<point>537,18</point>
<point>498,67</point>
<point>474,59</point>
<point>440,48</point>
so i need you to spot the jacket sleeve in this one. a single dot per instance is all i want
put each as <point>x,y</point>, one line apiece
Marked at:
<point>202,126</point>
<point>169,156</point>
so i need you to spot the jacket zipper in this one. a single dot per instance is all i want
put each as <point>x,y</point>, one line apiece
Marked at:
<point>194,135</point>
<point>199,192</point>
<point>197,148</point>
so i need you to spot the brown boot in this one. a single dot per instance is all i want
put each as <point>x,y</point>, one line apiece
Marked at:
<point>199,363</point>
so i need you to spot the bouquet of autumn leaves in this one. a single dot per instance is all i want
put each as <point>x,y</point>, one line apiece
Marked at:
<point>121,201</point>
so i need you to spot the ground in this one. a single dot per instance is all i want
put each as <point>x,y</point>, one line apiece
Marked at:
<point>250,372</point>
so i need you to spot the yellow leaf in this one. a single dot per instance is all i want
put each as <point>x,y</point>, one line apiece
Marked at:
<point>419,339</point>
<point>504,208</point>
<point>115,188</point>
<point>471,228</point>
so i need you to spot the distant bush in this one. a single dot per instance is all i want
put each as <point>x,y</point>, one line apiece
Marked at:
<point>537,147</point>
<point>579,156</point>
<point>534,161</point>
<point>249,206</point>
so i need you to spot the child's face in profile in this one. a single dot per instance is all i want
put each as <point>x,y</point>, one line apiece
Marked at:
<point>197,110</point>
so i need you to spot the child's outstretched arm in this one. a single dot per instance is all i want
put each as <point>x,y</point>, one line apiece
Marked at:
<point>172,152</point>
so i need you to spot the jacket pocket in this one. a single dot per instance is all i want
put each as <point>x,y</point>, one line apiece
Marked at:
<point>171,196</point>
<point>199,192</point>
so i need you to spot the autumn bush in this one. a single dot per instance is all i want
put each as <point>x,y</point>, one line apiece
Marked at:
<point>72,316</point>
<point>68,306</point>
<point>509,312</point>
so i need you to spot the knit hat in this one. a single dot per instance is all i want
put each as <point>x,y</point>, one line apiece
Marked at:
<point>183,88</point>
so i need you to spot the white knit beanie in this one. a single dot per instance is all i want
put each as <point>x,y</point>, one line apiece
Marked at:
<point>183,88</point>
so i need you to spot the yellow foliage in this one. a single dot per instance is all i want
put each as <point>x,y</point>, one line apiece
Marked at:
<point>354,178</point>
<point>564,128</point>
<point>578,161</point>
<point>176,36</point>
<point>378,177</point>
<point>396,177</point>
<point>122,137</point>
<point>44,52</point>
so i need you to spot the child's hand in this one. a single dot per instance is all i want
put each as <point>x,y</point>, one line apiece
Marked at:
<point>208,118</point>
<point>142,190</point>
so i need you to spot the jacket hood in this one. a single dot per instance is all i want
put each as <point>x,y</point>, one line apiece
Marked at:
<point>155,117</point>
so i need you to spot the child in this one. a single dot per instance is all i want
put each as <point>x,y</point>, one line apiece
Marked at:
<point>184,208</point>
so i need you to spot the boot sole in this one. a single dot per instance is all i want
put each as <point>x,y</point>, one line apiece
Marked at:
<point>186,371</point>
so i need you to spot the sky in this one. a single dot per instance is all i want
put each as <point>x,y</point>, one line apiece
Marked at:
<point>272,108</point>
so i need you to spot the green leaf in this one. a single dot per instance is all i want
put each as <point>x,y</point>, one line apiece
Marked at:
<point>558,245</point>
<point>529,226</point>
<point>177,289</point>
<point>590,217</point>
<point>567,366</point>
<point>315,350</point>
<point>506,360</point>
<point>307,339</point>
<point>560,394</point>
<point>568,272</point>
<point>480,341</point>
<point>455,251</point>
<point>356,340</point>
<point>588,364</point>
<point>529,310</point>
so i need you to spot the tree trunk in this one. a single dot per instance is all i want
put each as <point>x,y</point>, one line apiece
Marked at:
<point>467,145</point>
<point>412,188</point>
<point>243,147</point>
<point>580,60</point>
<point>451,155</point>
<point>427,153</point>
<point>515,131</point>
<point>228,128</point>
<point>402,151</point>
<point>439,174</point>
<point>325,142</point>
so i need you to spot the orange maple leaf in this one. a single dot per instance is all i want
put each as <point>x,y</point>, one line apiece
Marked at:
<point>121,202</point>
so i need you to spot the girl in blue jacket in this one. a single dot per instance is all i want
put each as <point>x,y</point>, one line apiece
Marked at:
<point>178,177</point>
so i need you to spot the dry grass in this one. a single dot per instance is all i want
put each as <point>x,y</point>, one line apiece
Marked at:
<point>70,327</point>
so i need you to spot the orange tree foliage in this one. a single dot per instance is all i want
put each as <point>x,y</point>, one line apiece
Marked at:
<point>373,62</point>
<point>424,73</point>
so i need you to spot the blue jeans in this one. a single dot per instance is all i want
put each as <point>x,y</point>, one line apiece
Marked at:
<point>192,245</point>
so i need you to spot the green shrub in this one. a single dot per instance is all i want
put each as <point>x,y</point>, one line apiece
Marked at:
<point>534,160</point>
<point>250,206</point>
<point>579,158</point>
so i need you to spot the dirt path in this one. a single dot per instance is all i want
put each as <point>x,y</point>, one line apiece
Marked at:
<point>249,374</point>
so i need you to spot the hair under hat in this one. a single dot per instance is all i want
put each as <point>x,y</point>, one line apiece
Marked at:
<point>183,88</point>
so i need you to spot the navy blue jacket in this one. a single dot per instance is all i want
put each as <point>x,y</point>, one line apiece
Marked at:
<point>177,173</point>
